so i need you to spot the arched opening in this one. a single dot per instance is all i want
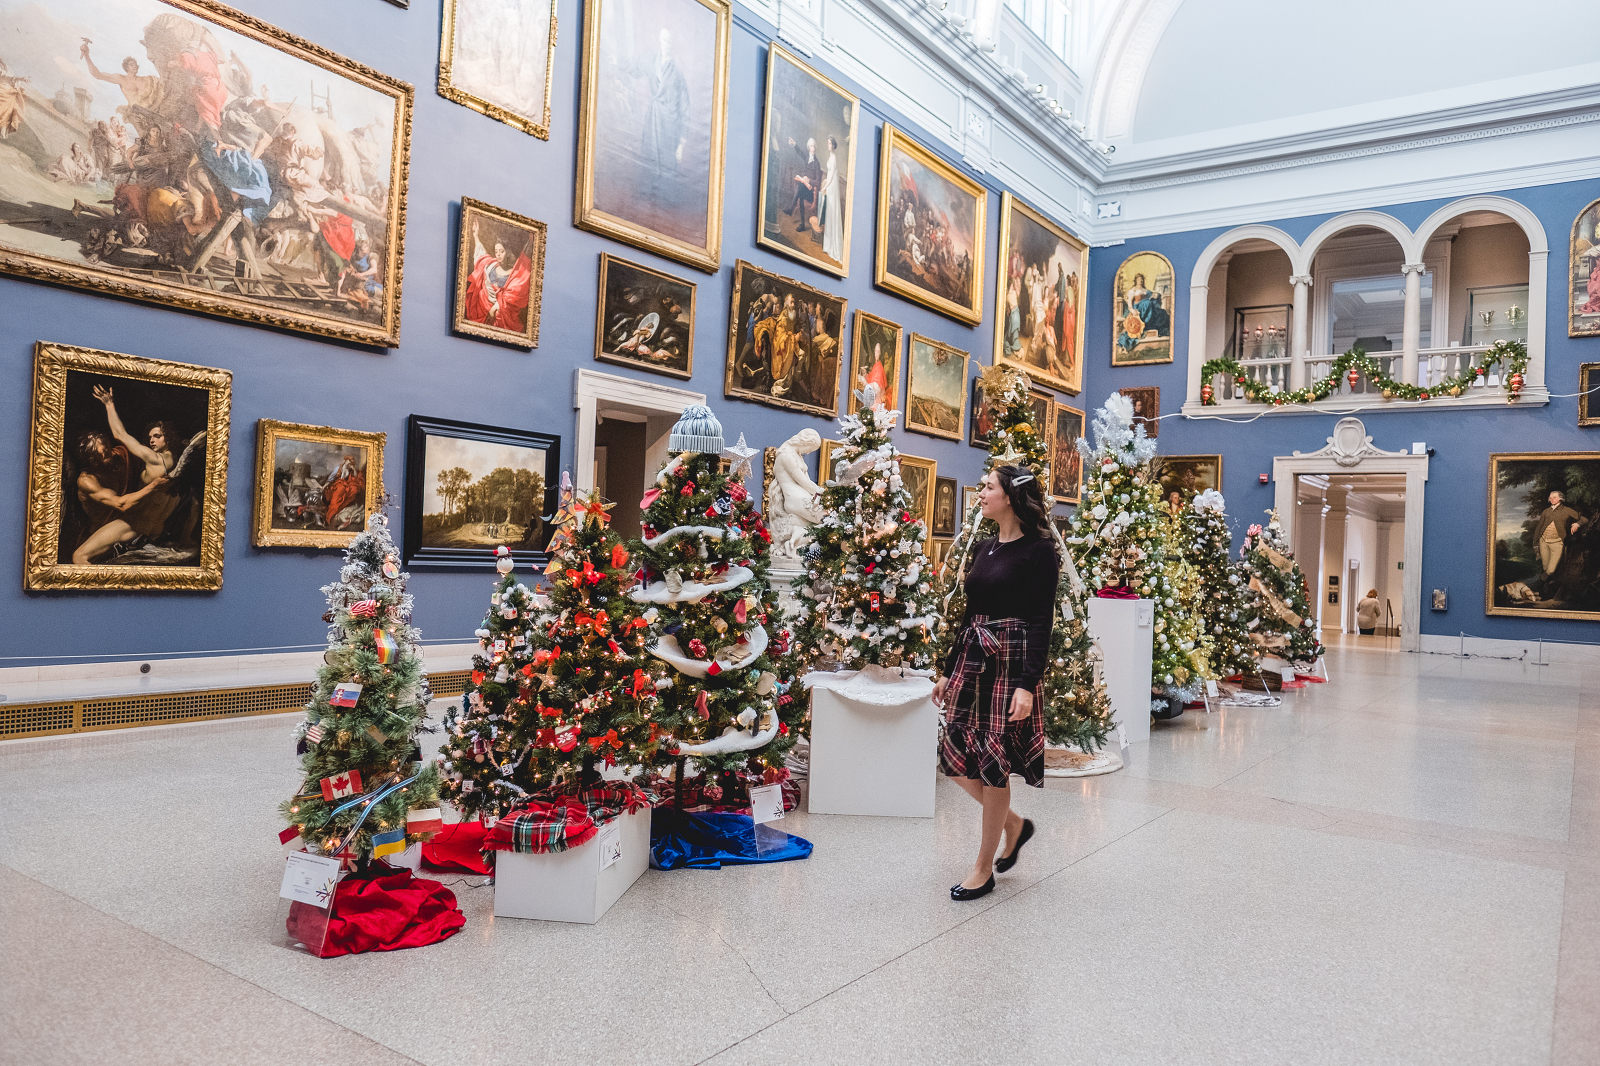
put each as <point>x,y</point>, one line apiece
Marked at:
<point>1359,285</point>
<point>1255,323</point>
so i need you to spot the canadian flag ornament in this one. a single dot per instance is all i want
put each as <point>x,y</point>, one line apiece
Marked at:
<point>341,785</point>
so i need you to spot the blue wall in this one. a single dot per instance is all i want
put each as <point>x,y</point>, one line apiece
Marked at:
<point>1455,523</point>
<point>269,597</point>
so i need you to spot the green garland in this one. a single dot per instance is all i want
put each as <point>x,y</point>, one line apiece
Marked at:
<point>1513,354</point>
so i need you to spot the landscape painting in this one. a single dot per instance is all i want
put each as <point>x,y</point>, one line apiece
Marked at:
<point>175,152</point>
<point>931,221</point>
<point>935,383</point>
<point>315,485</point>
<point>784,342</point>
<point>498,57</point>
<point>875,360</point>
<point>1544,543</point>
<point>1041,326</point>
<point>644,318</point>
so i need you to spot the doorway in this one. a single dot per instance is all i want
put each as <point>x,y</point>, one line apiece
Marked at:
<point>623,428</point>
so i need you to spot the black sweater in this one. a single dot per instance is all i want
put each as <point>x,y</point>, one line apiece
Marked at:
<point>1016,579</point>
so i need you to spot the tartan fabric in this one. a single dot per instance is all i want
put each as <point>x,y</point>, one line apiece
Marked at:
<point>556,823</point>
<point>979,742</point>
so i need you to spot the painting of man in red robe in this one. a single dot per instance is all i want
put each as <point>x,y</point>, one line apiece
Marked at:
<point>497,291</point>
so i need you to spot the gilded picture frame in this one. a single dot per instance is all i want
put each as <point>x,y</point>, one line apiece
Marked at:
<point>1066,463</point>
<point>825,460</point>
<point>310,505</point>
<point>644,318</point>
<point>1526,573</point>
<point>911,177</point>
<point>1146,400</point>
<point>466,87</point>
<point>503,306</point>
<point>1144,302</point>
<point>220,258</point>
<point>662,205</point>
<point>1047,269</point>
<point>1588,388</point>
<point>868,337</point>
<point>936,385</point>
<point>1583,274</point>
<point>85,492</point>
<point>946,514</point>
<point>772,358</point>
<point>1186,475</point>
<point>920,477</point>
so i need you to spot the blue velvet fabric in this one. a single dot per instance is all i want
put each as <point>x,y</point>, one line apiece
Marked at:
<point>681,840</point>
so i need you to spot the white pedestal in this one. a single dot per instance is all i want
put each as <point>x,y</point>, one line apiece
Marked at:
<point>1125,632</point>
<point>783,582</point>
<point>871,757</point>
<point>569,886</point>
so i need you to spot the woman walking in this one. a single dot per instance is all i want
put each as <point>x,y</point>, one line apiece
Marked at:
<point>994,722</point>
<point>1367,612</point>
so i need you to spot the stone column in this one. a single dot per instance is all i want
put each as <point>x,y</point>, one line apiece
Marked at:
<point>1411,335</point>
<point>1300,339</point>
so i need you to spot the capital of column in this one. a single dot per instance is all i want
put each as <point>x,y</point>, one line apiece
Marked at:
<point>1414,268</point>
<point>1300,279</point>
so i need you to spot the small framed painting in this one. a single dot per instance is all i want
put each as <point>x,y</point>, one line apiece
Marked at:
<point>931,221</point>
<point>784,342</point>
<point>980,419</point>
<point>919,475</point>
<point>944,507</point>
<point>1185,475</point>
<point>1589,394</point>
<point>499,275</point>
<point>969,500</point>
<point>315,485</point>
<point>1066,464</point>
<point>644,318</point>
<point>875,358</point>
<point>1146,400</point>
<point>935,379</point>
<point>825,460</point>
<point>498,57</point>
<point>1142,308</point>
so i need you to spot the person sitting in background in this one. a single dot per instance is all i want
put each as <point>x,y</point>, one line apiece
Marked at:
<point>1367,612</point>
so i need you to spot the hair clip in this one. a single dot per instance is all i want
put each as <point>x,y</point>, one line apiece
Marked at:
<point>1022,479</point>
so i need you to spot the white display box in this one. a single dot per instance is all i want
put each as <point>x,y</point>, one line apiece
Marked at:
<point>871,758</point>
<point>569,886</point>
<point>1125,632</point>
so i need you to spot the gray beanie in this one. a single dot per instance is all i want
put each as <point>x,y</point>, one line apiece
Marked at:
<point>697,431</point>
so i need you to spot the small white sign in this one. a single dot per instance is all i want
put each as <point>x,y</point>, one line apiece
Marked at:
<point>1288,674</point>
<point>310,879</point>
<point>610,842</point>
<point>1211,688</point>
<point>1419,447</point>
<point>766,803</point>
<point>1122,738</point>
<point>1144,613</point>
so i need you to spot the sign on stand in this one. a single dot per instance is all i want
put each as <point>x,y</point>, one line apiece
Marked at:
<point>309,882</point>
<point>766,805</point>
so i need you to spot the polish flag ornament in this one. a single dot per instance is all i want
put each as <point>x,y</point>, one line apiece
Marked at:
<point>290,839</point>
<point>429,820</point>
<point>341,785</point>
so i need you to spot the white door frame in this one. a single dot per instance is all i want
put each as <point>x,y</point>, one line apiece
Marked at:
<point>658,406</point>
<point>1350,451</point>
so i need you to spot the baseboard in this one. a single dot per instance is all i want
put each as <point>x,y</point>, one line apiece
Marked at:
<point>1528,650</point>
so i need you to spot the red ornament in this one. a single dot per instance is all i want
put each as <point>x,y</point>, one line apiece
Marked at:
<point>1239,380</point>
<point>1483,371</point>
<point>1424,396</point>
<point>1515,383</point>
<point>697,648</point>
<point>687,490</point>
<point>1206,392</point>
<point>714,669</point>
<point>1354,377</point>
<point>567,740</point>
<point>874,600</point>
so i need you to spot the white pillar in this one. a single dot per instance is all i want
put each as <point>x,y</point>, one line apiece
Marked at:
<point>1411,335</point>
<point>1197,354</point>
<point>1300,339</point>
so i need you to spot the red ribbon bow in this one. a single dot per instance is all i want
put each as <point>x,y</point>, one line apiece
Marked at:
<point>610,738</point>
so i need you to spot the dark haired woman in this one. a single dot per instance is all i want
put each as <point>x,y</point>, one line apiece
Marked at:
<point>994,722</point>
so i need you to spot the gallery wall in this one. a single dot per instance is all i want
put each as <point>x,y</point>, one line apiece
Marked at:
<point>270,597</point>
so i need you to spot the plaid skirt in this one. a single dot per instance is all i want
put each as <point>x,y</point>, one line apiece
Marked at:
<point>979,742</point>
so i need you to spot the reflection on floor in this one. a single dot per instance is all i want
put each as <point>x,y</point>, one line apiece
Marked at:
<point>1401,866</point>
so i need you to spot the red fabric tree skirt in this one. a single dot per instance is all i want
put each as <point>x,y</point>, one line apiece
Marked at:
<point>379,913</point>
<point>457,849</point>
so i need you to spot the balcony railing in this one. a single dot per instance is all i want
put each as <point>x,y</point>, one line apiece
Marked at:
<point>1434,365</point>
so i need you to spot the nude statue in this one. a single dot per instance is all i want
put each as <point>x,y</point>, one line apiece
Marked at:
<point>795,502</point>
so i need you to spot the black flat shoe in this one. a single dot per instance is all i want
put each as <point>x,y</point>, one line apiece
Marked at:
<point>1006,862</point>
<point>961,895</point>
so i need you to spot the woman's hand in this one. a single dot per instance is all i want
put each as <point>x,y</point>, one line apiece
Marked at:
<point>938,692</point>
<point>1021,704</point>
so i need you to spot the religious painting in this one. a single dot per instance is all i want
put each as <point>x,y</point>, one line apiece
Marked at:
<point>498,57</point>
<point>1143,303</point>
<point>127,473</point>
<point>1043,270</point>
<point>808,165</point>
<point>936,378</point>
<point>644,318</point>
<point>784,341</point>
<point>919,477</point>
<point>315,486</point>
<point>980,422</point>
<point>653,128</point>
<point>875,359</point>
<point>1146,400</point>
<point>1185,476</point>
<point>1066,463</point>
<point>944,507</point>
<point>197,158</point>
<point>1543,558</point>
<point>471,488</point>
<point>1583,294</point>
<point>931,221</point>
<point>1044,407</point>
<point>499,275</point>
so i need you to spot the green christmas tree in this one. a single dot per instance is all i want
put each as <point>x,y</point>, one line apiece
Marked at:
<point>868,599</point>
<point>1227,606</point>
<point>1185,591</point>
<point>366,792</point>
<point>1287,628</point>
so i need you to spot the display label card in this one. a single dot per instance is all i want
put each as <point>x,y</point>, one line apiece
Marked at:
<point>766,803</point>
<point>610,841</point>
<point>1211,688</point>
<point>1122,738</point>
<point>310,879</point>
<point>1288,674</point>
<point>1144,613</point>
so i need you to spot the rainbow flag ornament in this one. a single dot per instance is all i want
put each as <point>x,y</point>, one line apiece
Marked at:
<point>390,843</point>
<point>386,647</point>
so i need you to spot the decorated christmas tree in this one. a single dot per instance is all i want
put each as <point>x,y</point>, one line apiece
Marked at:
<point>869,598</point>
<point>366,792</point>
<point>1184,591</point>
<point>1287,629</point>
<point>1227,606</point>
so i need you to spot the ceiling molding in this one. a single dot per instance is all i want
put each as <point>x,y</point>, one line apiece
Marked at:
<point>1122,62</point>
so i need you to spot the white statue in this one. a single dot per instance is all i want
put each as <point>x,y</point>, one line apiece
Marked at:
<point>795,502</point>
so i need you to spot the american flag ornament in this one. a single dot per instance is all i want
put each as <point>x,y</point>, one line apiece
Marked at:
<point>315,733</point>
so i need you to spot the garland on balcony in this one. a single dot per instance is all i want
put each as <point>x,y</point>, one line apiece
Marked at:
<point>1512,355</point>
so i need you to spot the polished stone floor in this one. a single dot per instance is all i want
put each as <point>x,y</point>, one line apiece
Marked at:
<point>1401,866</point>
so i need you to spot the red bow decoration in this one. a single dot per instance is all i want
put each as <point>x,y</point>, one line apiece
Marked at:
<point>637,623</point>
<point>610,738</point>
<point>650,496</point>
<point>687,489</point>
<point>619,555</point>
<point>549,712</point>
<point>545,738</point>
<point>588,573</point>
<point>783,729</point>
<point>598,622</point>
<point>642,683</point>
<point>616,649</point>
<point>527,671</point>
<point>702,705</point>
<point>905,516</point>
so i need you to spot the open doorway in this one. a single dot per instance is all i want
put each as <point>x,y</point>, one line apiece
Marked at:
<point>1350,540</point>
<point>623,428</point>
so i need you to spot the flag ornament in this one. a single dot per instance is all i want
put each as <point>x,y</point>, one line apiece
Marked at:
<point>428,820</point>
<point>388,650</point>
<point>345,694</point>
<point>348,784</point>
<point>390,843</point>
<point>290,838</point>
<point>315,733</point>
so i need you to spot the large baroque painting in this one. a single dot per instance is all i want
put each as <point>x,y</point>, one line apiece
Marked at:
<point>1041,279</point>
<point>498,57</point>
<point>784,342</point>
<point>182,153</point>
<point>931,221</point>
<point>1544,540</point>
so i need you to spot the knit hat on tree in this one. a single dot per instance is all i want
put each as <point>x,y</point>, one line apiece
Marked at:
<point>697,431</point>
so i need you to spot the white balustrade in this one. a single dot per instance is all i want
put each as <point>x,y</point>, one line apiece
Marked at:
<point>1273,373</point>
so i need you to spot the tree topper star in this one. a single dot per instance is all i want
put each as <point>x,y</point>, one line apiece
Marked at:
<point>740,454</point>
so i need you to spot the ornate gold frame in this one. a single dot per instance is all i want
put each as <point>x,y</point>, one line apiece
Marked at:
<point>1083,421</point>
<point>739,268</point>
<point>448,89</point>
<point>825,458</point>
<point>1588,381</point>
<point>40,570</point>
<point>857,352</point>
<point>1155,467</point>
<point>1572,262</point>
<point>927,502</point>
<point>893,139</point>
<point>1008,203</point>
<point>268,432</point>
<point>961,408</point>
<point>111,282</point>
<point>776,52</point>
<point>529,337</point>
<point>1495,458</point>
<point>601,355</point>
<point>586,216</point>
<point>1172,311</point>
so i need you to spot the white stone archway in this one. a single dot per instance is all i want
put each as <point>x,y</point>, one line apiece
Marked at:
<point>612,396</point>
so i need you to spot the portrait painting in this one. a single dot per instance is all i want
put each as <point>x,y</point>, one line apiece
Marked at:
<point>644,318</point>
<point>1044,406</point>
<point>127,475</point>
<point>1182,477</point>
<point>499,275</point>
<point>808,155</point>
<point>1583,296</point>
<point>1146,400</point>
<point>1142,300</point>
<point>945,516</point>
<point>936,379</point>
<point>1066,464</point>
<point>1544,543</point>
<point>980,420</point>
<point>919,477</point>
<point>875,360</point>
<point>653,125</point>
<point>472,488</point>
<point>784,340</point>
<point>498,57</point>
<point>1040,299</point>
<point>198,159</point>
<point>315,485</point>
<point>931,221</point>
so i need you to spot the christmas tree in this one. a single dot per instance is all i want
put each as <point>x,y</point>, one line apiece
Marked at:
<point>1227,605</point>
<point>1183,592</point>
<point>366,791</point>
<point>1287,628</point>
<point>868,600</point>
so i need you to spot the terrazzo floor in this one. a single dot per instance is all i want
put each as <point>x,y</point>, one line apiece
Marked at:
<point>1400,866</point>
